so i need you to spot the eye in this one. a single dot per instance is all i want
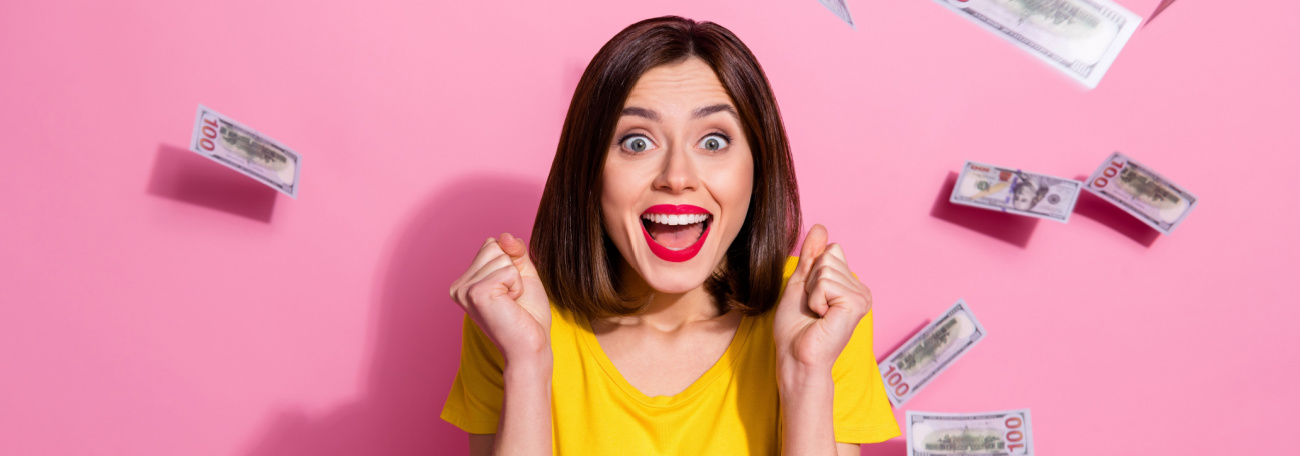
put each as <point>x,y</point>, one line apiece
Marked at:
<point>714,142</point>
<point>636,143</point>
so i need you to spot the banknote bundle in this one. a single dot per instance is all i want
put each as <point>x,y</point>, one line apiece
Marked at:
<point>929,352</point>
<point>1078,37</point>
<point>1005,433</point>
<point>1119,180</point>
<point>1015,191</point>
<point>243,149</point>
<point>924,356</point>
<point>1141,192</point>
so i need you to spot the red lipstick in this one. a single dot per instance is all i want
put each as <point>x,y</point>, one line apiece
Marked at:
<point>665,253</point>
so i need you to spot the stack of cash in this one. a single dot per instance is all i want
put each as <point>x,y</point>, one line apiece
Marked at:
<point>915,364</point>
<point>1078,37</point>
<point>1136,189</point>
<point>243,149</point>
<point>1015,191</point>
<point>1141,192</point>
<point>931,351</point>
<point>971,434</point>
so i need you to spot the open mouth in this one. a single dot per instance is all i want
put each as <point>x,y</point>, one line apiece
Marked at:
<point>675,232</point>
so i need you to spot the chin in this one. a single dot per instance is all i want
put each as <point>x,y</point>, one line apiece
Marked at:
<point>676,278</point>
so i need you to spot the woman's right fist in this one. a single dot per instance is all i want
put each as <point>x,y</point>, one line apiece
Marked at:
<point>502,293</point>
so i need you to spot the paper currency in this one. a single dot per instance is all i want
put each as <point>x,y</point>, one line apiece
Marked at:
<point>1015,191</point>
<point>1005,433</point>
<point>841,9</point>
<point>1141,192</point>
<point>245,150</point>
<point>930,352</point>
<point>1078,37</point>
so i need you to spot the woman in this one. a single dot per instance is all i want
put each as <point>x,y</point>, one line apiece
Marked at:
<point>657,311</point>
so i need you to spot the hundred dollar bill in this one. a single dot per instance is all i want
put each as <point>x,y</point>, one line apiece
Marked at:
<point>841,9</point>
<point>245,150</point>
<point>930,352</point>
<point>1005,433</point>
<point>1141,192</point>
<point>1015,191</point>
<point>1078,37</point>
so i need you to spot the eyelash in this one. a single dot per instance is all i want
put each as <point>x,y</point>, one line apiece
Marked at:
<point>723,135</point>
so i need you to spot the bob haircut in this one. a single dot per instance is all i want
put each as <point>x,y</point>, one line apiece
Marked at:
<point>575,258</point>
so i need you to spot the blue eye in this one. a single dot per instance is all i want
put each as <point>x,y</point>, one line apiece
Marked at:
<point>714,142</point>
<point>636,143</point>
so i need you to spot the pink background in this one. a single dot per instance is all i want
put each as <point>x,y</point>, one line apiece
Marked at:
<point>155,303</point>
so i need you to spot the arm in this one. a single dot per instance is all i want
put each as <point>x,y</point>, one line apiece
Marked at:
<point>806,400</point>
<point>525,425</point>
<point>526,408</point>
<point>503,295</point>
<point>818,310</point>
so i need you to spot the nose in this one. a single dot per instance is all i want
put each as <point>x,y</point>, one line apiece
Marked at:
<point>677,174</point>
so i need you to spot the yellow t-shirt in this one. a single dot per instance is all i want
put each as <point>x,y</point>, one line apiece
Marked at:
<point>734,408</point>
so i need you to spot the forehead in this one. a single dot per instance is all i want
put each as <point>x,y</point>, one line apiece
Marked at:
<point>682,86</point>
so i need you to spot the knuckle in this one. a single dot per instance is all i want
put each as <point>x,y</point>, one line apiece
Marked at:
<point>477,292</point>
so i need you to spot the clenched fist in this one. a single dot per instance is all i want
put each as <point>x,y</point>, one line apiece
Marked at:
<point>502,293</point>
<point>820,307</point>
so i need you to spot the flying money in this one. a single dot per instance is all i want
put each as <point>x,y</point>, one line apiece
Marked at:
<point>245,150</point>
<point>930,352</point>
<point>1005,433</point>
<point>1015,191</point>
<point>841,9</point>
<point>1141,192</point>
<point>1078,37</point>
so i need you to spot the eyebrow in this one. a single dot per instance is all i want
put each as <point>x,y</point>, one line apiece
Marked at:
<point>698,113</point>
<point>641,112</point>
<point>710,110</point>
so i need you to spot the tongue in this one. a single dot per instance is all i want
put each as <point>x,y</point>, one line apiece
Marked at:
<point>675,237</point>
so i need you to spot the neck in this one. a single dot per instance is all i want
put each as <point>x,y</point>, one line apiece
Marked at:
<point>668,311</point>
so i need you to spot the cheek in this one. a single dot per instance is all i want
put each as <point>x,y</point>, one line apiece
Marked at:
<point>616,198</point>
<point>735,189</point>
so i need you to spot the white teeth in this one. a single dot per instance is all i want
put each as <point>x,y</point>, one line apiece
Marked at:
<point>676,219</point>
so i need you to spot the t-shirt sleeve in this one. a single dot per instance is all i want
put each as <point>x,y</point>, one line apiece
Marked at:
<point>474,403</point>
<point>862,411</point>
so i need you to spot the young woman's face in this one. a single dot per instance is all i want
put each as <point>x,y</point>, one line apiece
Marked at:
<point>678,176</point>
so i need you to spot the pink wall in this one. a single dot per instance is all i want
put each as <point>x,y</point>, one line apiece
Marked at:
<point>153,303</point>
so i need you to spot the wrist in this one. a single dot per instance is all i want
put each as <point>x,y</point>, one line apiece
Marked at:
<point>536,364</point>
<point>798,380</point>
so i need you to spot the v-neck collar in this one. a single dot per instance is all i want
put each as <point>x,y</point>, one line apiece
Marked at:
<point>722,365</point>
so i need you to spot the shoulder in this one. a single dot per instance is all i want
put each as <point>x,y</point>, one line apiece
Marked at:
<point>790,263</point>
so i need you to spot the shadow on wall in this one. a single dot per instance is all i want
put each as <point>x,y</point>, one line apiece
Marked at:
<point>1093,207</point>
<point>185,176</point>
<point>1009,228</point>
<point>417,332</point>
<point>892,447</point>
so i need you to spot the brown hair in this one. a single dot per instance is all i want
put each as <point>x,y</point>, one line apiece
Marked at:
<point>577,261</point>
